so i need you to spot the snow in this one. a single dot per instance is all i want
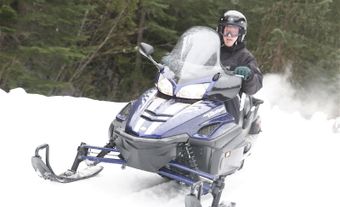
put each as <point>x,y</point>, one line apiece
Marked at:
<point>295,161</point>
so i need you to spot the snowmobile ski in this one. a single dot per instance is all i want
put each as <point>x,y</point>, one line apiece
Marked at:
<point>45,171</point>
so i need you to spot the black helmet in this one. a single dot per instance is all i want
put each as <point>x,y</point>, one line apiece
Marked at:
<point>233,17</point>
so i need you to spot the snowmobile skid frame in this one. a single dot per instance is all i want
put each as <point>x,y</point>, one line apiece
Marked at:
<point>205,183</point>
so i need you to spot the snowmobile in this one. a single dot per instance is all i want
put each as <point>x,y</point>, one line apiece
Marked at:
<point>179,129</point>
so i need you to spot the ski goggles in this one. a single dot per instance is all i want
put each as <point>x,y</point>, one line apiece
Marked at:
<point>231,30</point>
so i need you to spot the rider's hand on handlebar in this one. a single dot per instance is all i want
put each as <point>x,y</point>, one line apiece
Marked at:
<point>243,71</point>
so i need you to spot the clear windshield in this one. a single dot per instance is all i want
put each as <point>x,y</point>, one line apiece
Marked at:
<point>195,56</point>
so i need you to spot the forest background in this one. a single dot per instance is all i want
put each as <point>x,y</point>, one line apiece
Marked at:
<point>88,47</point>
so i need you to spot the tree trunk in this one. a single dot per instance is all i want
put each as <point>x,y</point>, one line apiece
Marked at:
<point>138,63</point>
<point>140,34</point>
<point>4,73</point>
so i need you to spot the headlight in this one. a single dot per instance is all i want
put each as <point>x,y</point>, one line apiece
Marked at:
<point>165,86</point>
<point>195,91</point>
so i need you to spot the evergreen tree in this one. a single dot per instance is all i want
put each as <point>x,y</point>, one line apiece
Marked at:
<point>44,42</point>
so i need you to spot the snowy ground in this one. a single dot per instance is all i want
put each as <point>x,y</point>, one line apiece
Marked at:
<point>296,161</point>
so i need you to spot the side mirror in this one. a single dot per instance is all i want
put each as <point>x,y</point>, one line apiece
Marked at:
<point>145,49</point>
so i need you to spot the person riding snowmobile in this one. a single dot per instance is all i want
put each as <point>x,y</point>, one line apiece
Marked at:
<point>232,28</point>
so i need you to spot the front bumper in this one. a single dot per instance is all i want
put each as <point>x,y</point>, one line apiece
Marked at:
<point>147,154</point>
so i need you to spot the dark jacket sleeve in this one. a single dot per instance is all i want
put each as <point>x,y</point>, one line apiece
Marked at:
<point>254,83</point>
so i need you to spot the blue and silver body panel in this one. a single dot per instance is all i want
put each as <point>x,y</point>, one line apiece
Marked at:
<point>155,116</point>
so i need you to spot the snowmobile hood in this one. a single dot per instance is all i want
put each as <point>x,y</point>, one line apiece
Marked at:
<point>157,116</point>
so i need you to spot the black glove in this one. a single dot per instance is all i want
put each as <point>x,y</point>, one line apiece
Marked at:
<point>244,71</point>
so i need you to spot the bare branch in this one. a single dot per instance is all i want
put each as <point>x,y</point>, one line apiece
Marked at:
<point>81,68</point>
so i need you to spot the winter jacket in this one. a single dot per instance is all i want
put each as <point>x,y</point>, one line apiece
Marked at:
<point>239,55</point>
